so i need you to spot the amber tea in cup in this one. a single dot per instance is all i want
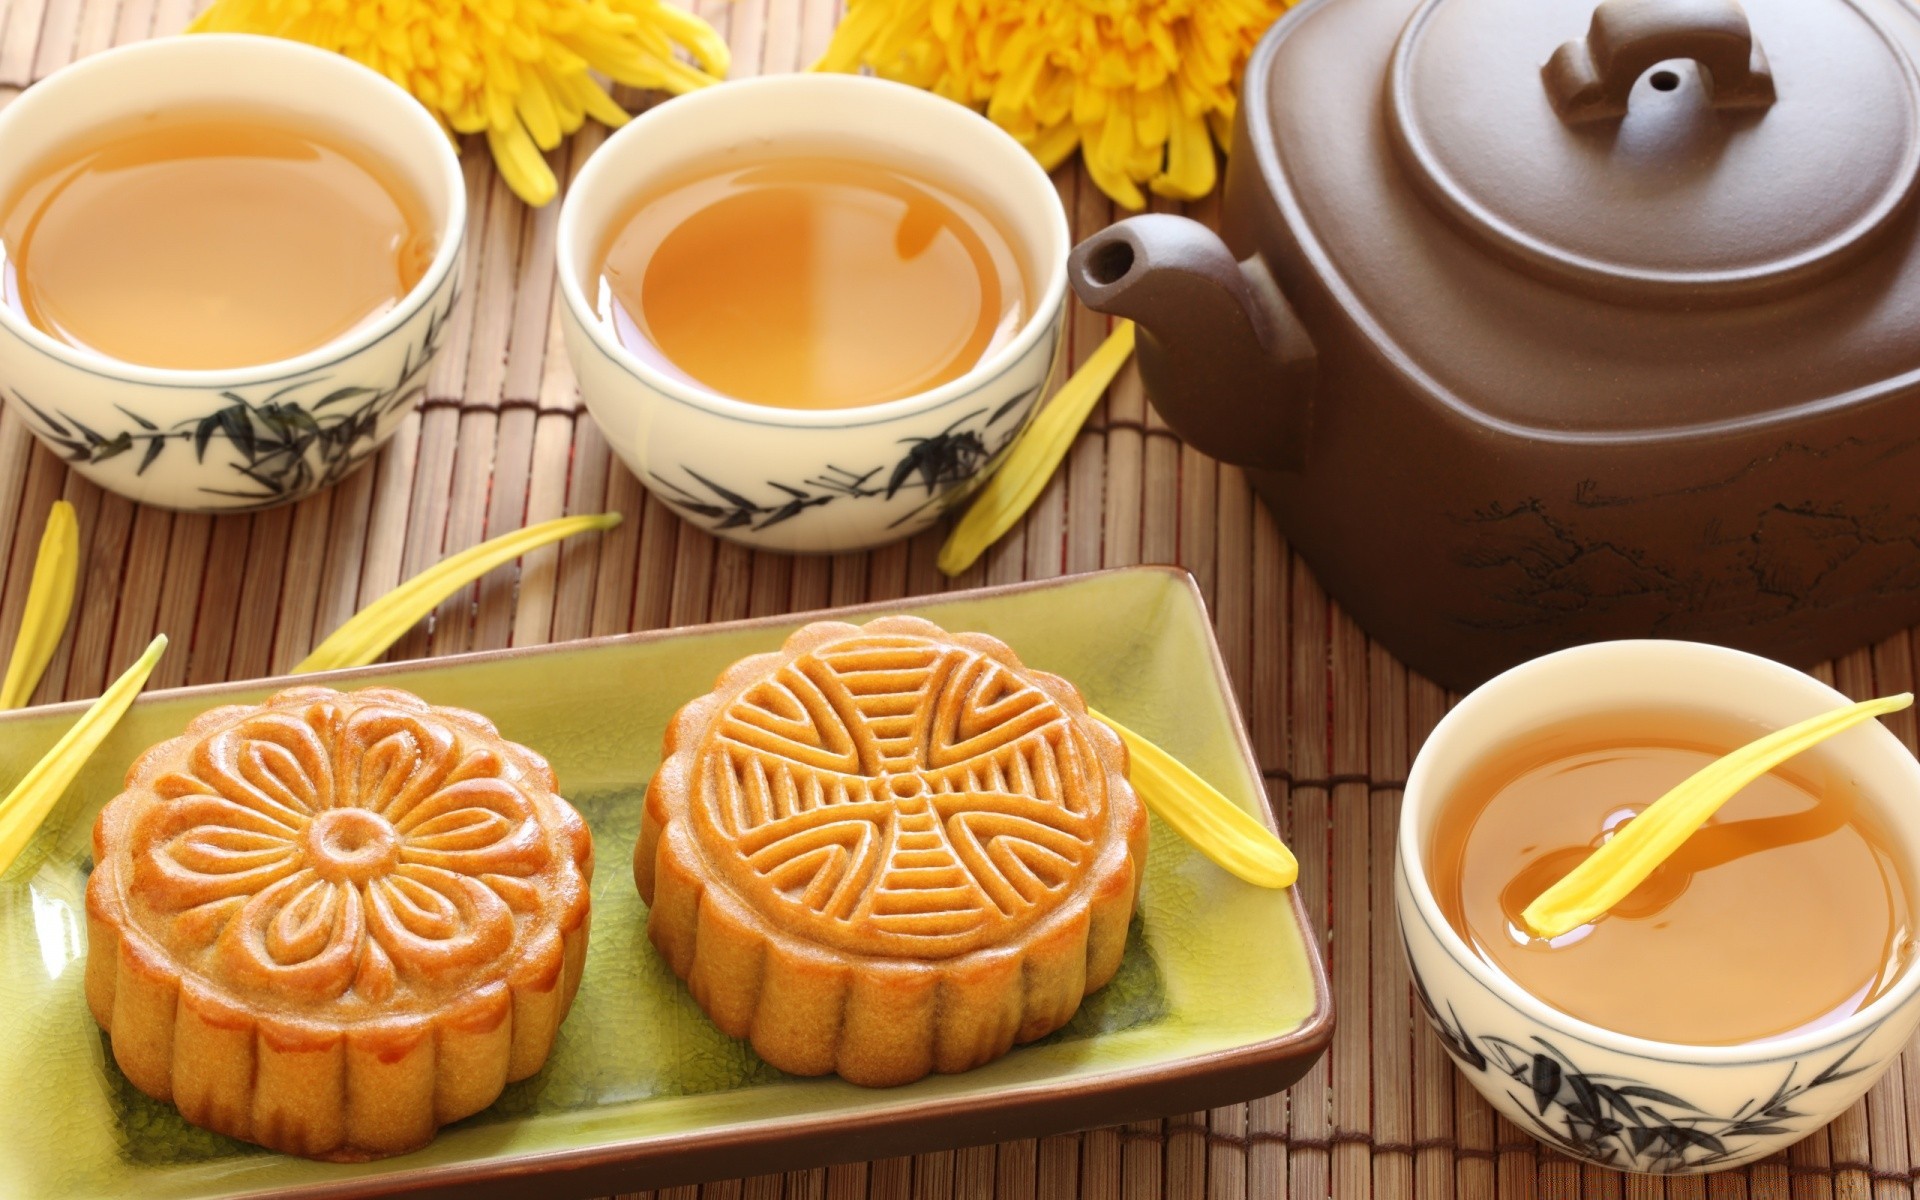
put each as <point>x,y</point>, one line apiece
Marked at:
<point>812,280</point>
<point>203,240</point>
<point>1785,913</point>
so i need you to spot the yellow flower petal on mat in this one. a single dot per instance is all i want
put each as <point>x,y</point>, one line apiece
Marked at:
<point>56,569</point>
<point>367,634</point>
<point>28,804</point>
<point>1623,862</point>
<point>1215,825</point>
<point>1130,81</point>
<point>1012,489</point>
<point>520,71</point>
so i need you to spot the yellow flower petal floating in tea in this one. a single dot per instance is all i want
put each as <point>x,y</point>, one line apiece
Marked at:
<point>366,635</point>
<point>34,796</point>
<point>56,570</point>
<point>1013,488</point>
<point>1213,824</point>
<point>1142,87</point>
<point>1622,863</point>
<point>519,71</point>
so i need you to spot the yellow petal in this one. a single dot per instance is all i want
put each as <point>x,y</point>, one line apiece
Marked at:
<point>1623,861</point>
<point>1153,121</point>
<point>56,569</point>
<point>1215,825</point>
<point>1190,166</point>
<point>1109,156</point>
<point>1012,489</point>
<point>598,105</point>
<point>1052,146</point>
<point>567,108</point>
<point>1221,123</point>
<point>469,117</point>
<point>536,109</point>
<point>521,165</point>
<point>852,38</point>
<point>28,804</point>
<point>702,40</point>
<point>679,78</point>
<point>367,634</point>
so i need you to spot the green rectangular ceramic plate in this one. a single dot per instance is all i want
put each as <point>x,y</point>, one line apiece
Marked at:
<point>1221,997</point>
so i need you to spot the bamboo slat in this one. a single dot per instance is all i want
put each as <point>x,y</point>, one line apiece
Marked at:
<point>1303,746</point>
<point>1390,1009</point>
<point>503,440</point>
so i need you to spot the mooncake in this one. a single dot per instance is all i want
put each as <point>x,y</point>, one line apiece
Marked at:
<point>888,850</point>
<point>332,923</point>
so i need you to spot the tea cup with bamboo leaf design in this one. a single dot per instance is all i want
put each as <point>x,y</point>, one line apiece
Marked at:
<point>1623,1101</point>
<point>249,437</point>
<point>812,480</point>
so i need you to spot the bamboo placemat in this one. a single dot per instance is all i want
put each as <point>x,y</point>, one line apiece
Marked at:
<point>501,440</point>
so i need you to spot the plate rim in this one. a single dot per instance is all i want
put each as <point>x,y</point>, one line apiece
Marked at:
<point>1014,1110</point>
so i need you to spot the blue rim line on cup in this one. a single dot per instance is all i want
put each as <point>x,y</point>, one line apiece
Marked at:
<point>1052,292</point>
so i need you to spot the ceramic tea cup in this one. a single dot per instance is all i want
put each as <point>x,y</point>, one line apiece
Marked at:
<point>814,480</point>
<point>1621,1101</point>
<point>248,437</point>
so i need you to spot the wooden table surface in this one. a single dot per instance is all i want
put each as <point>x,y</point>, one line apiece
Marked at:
<point>501,441</point>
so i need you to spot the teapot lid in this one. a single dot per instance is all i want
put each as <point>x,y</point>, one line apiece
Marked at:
<point>1672,151</point>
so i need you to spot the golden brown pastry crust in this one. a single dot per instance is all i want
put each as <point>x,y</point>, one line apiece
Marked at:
<point>332,923</point>
<point>888,850</point>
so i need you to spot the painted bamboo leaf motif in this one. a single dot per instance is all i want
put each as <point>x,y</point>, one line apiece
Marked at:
<point>1008,407</point>
<point>137,419</point>
<point>934,465</point>
<point>1622,1122</point>
<point>1546,1081</point>
<point>283,446</point>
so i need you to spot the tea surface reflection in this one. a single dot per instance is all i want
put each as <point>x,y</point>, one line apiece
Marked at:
<point>818,281</point>
<point>209,240</point>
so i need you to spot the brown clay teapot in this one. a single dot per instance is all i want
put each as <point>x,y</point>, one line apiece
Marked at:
<point>1537,322</point>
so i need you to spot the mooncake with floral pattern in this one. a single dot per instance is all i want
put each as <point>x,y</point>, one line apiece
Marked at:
<point>332,923</point>
<point>889,850</point>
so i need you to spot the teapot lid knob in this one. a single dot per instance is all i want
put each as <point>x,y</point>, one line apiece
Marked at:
<point>1591,78</point>
<point>1660,156</point>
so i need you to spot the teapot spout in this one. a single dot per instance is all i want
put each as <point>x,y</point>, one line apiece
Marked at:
<point>1220,350</point>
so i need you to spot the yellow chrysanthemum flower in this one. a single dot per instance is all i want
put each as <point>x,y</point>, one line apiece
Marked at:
<point>1141,86</point>
<point>517,70</point>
